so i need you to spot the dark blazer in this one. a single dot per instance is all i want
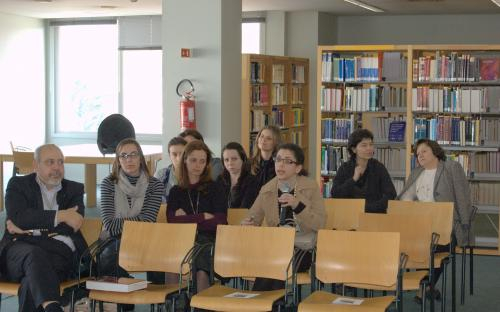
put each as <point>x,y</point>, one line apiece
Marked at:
<point>24,205</point>
<point>241,196</point>
<point>450,185</point>
<point>377,188</point>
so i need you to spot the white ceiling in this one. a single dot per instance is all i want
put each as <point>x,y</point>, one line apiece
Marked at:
<point>92,8</point>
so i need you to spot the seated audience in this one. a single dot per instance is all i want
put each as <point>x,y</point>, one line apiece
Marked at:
<point>42,238</point>
<point>437,179</point>
<point>363,176</point>
<point>239,185</point>
<point>198,199</point>
<point>289,196</point>
<point>168,175</point>
<point>262,163</point>
<point>128,193</point>
<point>215,164</point>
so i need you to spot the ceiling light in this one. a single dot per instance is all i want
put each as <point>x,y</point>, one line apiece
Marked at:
<point>369,7</point>
<point>497,2</point>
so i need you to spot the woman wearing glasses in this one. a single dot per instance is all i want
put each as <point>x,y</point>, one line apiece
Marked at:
<point>128,193</point>
<point>297,199</point>
<point>363,176</point>
<point>198,199</point>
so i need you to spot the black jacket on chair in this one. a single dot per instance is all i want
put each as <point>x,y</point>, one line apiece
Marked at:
<point>24,204</point>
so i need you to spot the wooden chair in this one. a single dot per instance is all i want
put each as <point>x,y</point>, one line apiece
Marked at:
<point>236,215</point>
<point>144,248</point>
<point>415,241</point>
<point>354,257</point>
<point>23,160</point>
<point>91,228</point>
<point>162,214</point>
<point>343,213</point>
<point>442,224</point>
<point>248,251</point>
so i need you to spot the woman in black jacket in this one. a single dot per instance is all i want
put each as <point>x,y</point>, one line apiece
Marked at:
<point>363,176</point>
<point>239,185</point>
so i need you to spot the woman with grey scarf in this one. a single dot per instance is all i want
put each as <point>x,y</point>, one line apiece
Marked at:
<point>128,193</point>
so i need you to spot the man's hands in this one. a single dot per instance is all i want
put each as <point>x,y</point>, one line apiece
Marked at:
<point>14,229</point>
<point>71,217</point>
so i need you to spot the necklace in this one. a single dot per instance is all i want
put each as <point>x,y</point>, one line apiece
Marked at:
<point>195,211</point>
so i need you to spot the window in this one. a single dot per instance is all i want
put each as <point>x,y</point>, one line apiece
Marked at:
<point>251,37</point>
<point>93,78</point>
<point>86,76</point>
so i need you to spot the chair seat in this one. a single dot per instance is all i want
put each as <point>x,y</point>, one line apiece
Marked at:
<point>411,281</point>
<point>9,288</point>
<point>321,301</point>
<point>153,294</point>
<point>213,299</point>
<point>303,278</point>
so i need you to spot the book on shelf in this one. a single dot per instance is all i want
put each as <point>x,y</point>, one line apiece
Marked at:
<point>397,131</point>
<point>489,68</point>
<point>118,284</point>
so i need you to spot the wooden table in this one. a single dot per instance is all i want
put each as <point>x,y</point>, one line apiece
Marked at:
<point>90,157</point>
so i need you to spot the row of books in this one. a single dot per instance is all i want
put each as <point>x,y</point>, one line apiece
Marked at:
<point>456,100</point>
<point>381,126</point>
<point>327,183</point>
<point>332,158</point>
<point>296,138</point>
<point>455,68</point>
<point>278,73</point>
<point>278,117</point>
<point>363,99</point>
<point>453,130</point>
<point>297,116</point>
<point>259,119</point>
<point>257,72</point>
<point>381,66</point>
<point>485,193</point>
<point>278,95</point>
<point>298,73</point>
<point>260,95</point>
<point>393,158</point>
<point>336,130</point>
<point>297,95</point>
<point>483,162</point>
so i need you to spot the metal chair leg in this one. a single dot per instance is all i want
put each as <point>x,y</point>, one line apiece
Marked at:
<point>471,270</point>
<point>453,282</point>
<point>462,278</point>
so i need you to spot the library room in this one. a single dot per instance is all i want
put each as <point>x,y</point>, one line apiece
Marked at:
<point>347,150</point>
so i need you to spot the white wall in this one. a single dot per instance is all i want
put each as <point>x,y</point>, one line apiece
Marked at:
<point>275,33</point>
<point>212,29</point>
<point>419,29</point>
<point>22,81</point>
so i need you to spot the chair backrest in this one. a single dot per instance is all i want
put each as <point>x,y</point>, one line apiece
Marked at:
<point>415,234</point>
<point>162,214</point>
<point>343,213</point>
<point>158,247</point>
<point>23,159</point>
<point>236,215</point>
<point>91,228</point>
<point>357,257</point>
<point>253,251</point>
<point>441,214</point>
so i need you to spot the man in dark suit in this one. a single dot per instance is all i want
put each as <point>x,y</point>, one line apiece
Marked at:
<point>42,240</point>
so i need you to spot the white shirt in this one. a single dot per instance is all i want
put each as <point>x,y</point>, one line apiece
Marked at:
<point>425,185</point>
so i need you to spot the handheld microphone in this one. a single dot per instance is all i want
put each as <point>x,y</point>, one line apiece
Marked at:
<point>285,189</point>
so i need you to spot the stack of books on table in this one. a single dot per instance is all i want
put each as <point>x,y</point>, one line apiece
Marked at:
<point>121,284</point>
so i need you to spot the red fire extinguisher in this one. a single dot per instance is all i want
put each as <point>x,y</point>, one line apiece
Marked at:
<point>185,90</point>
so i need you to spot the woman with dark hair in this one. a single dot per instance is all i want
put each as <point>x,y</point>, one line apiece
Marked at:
<point>262,163</point>
<point>437,179</point>
<point>363,176</point>
<point>198,199</point>
<point>239,185</point>
<point>168,175</point>
<point>289,196</point>
<point>128,193</point>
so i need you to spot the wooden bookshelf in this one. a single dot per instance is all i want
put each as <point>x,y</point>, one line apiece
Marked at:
<point>275,90</point>
<point>467,76</point>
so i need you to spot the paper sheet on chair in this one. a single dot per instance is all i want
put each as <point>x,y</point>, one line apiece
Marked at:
<point>241,295</point>
<point>347,301</point>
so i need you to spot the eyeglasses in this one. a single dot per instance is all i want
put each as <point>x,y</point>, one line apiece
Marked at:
<point>51,162</point>
<point>125,156</point>
<point>286,161</point>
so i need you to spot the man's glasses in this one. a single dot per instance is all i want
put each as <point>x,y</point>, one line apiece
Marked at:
<point>125,156</point>
<point>286,161</point>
